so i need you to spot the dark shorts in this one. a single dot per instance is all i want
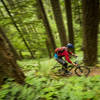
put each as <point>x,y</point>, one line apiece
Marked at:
<point>61,61</point>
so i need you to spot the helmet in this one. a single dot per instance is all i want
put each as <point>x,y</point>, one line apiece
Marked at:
<point>69,45</point>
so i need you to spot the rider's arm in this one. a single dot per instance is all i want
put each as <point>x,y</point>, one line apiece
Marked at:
<point>67,58</point>
<point>73,54</point>
<point>65,53</point>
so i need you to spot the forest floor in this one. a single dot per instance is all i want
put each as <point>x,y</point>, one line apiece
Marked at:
<point>93,72</point>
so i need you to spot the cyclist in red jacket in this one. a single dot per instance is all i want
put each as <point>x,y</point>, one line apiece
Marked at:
<point>64,52</point>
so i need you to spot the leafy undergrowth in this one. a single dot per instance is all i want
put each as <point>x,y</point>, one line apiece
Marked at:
<point>40,85</point>
<point>46,88</point>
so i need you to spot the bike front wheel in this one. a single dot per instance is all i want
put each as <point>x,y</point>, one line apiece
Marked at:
<point>82,71</point>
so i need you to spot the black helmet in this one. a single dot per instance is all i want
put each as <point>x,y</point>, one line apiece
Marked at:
<point>69,45</point>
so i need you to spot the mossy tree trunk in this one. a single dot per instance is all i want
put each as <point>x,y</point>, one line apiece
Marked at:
<point>59,21</point>
<point>90,29</point>
<point>69,21</point>
<point>48,48</point>
<point>16,56</point>
<point>8,65</point>
<point>46,24</point>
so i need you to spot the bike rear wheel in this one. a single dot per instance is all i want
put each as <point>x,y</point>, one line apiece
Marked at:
<point>82,71</point>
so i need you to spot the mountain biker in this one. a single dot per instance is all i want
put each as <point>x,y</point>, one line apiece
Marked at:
<point>64,52</point>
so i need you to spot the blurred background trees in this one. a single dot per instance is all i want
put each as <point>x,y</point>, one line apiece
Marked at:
<point>34,28</point>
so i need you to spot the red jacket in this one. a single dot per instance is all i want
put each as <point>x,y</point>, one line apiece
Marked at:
<point>65,54</point>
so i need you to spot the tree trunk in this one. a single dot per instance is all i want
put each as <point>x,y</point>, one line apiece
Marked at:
<point>69,21</point>
<point>90,29</point>
<point>8,65</point>
<point>59,21</point>
<point>46,24</point>
<point>79,13</point>
<point>21,55</point>
<point>48,48</point>
<point>16,56</point>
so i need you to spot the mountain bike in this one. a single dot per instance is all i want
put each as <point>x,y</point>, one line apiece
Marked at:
<point>78,70</point>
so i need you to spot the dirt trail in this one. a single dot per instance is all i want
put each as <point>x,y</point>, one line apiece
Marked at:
<point>95,71</point>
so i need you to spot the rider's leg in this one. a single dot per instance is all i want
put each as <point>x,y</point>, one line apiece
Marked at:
<point>65,65</point>
<point>61,61</point>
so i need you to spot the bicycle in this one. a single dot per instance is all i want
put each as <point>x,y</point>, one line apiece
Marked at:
<point>79,70</point>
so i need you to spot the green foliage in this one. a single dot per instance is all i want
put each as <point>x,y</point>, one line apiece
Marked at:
<point>37,88</point>
<point>41,85</point>
<point>42,66</point>
<point>24,14</point>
